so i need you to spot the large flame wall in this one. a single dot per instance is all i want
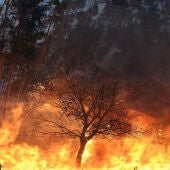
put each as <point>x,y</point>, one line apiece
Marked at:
<point>145,153</point>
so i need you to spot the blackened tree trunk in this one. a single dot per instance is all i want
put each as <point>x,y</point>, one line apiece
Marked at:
<point>8,90</point>
<point>21,87</point>
<point>80,152</point>
<point>1,65</point>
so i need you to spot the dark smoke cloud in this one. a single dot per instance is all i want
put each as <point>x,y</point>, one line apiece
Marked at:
<point>137,55</point>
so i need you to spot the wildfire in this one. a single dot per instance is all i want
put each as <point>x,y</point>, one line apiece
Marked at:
<point>116,154</point>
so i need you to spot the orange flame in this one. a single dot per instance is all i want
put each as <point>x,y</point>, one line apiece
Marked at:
<point>116,154</point>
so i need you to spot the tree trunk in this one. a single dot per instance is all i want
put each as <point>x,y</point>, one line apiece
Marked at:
<point>80,152</point>
<point>1,65</point>
<point>8,90</point>
<point>21,87</point>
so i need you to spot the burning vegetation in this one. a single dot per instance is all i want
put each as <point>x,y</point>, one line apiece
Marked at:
<point>84,85</point>
<point>85,109</point>
<point>53,150</point>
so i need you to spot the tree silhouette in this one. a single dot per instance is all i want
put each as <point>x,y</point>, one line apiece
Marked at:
<point>86,109</point>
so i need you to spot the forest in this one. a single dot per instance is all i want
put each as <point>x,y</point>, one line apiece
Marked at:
<point>84,84</point>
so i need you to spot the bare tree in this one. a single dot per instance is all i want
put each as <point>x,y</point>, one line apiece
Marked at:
<point>86,109</point>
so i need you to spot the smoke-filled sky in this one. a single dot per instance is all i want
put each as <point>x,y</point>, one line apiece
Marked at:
<point>131,44</point>
<point>127,41</point>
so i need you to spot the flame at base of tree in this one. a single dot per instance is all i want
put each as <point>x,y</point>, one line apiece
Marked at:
<point>119,154</point>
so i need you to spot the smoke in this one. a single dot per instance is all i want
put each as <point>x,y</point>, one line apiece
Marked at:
<point>136,55</point>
